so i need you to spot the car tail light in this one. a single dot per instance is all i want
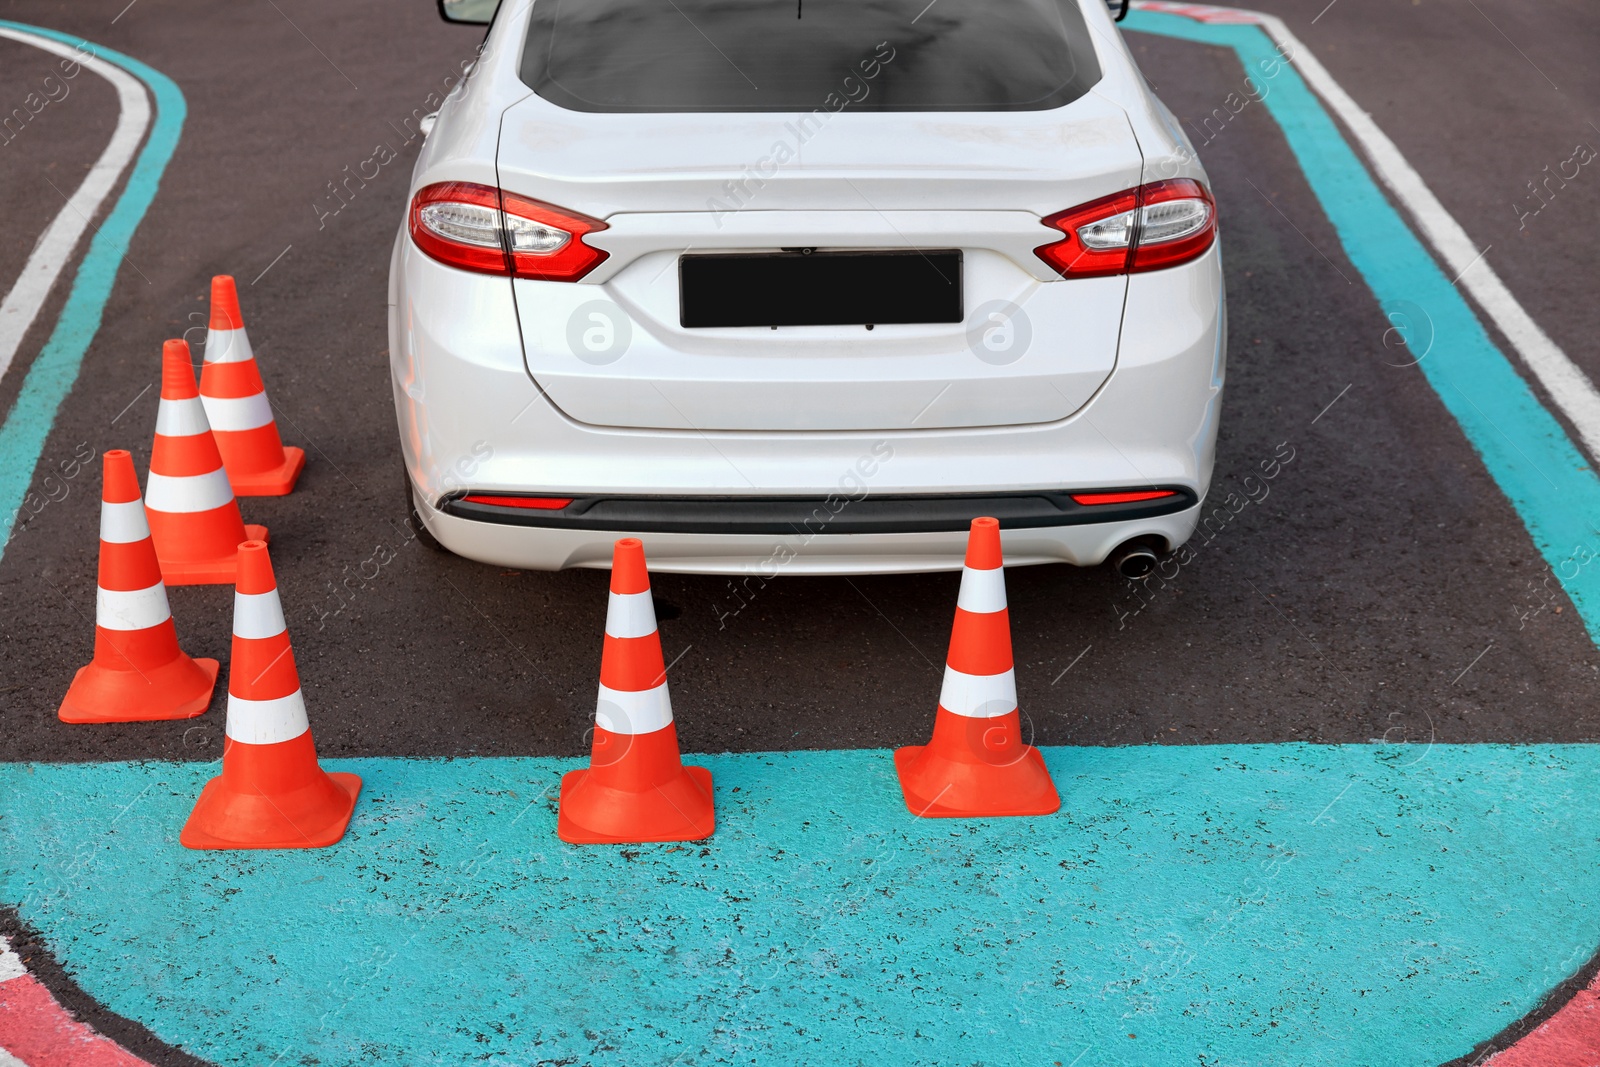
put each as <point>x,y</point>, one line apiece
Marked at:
<point>458,223</point>
<point>480,228</point>
<point>1122,498</point>
<point>538,503</point>
<point>547,242</point>
<point>1161,224</point>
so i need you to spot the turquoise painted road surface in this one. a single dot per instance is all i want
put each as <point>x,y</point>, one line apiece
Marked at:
<point>54,371</point>
<point>1238,905</point>
<point>1526,450</point>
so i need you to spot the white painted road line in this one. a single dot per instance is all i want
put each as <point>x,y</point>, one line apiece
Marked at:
<point>1571,390</point>
<point>55,247</point>
<point>1567,385</point>
<point>11,965</point>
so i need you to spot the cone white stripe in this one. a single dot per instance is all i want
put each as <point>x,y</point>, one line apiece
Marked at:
<point>231,413</point>
<point>642,712</point>
<point>630,615</point>
<point>979,696</point>
<point>198,492</point>
<point>267,722</point>
<point>228,346</point>
<point>131,609</point>
<point>983,592</point>
<point>123,523</point>
<point>181,418</point>
<point>257,616</point>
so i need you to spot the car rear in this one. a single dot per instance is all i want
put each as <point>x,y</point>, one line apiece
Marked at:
<point>838,273</point>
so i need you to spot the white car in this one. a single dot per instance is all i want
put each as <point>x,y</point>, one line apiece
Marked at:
<point>804,286</point>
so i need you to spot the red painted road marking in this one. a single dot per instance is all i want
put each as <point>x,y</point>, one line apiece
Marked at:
<point>1200,12</point>
<point>37,1032</point>
<point>1569,1038</point>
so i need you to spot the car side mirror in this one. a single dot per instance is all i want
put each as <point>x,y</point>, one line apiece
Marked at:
<point>471,12</point>
<point>1119,9</point>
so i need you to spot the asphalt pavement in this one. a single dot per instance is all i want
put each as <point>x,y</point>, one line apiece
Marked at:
<point>1345,602</point>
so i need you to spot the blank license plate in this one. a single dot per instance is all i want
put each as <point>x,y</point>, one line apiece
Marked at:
<point>820,288</point>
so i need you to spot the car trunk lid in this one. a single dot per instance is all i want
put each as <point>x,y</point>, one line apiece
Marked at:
<point>613,349</point>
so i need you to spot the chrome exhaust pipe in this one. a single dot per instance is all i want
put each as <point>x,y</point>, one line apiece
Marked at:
<point>1134,560</point>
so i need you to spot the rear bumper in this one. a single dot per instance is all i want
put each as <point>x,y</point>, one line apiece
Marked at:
<point>800,551</point>
<point>838,513</point>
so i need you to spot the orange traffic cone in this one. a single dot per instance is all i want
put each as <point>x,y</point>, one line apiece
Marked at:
<point>271,793</point>
<point>977,764</point>
<point>194,518</point>
<point>236,404</point>
<point>138,672</point>
<point>636,788</point>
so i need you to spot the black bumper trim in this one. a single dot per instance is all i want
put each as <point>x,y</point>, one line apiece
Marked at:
<point>835,514</point>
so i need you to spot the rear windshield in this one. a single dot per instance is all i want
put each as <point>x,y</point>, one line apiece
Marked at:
<point>805,55</point>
